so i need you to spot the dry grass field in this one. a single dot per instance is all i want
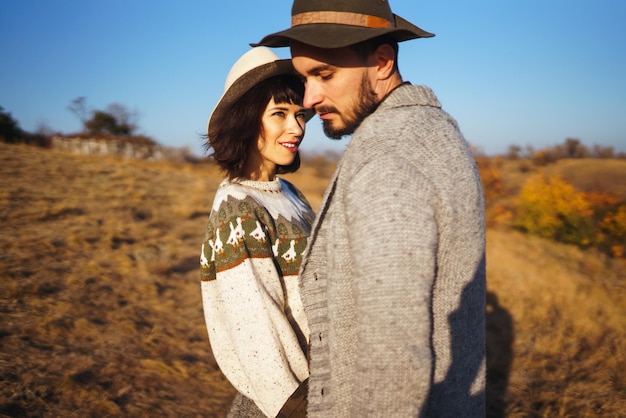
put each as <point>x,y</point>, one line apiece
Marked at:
<point>101,313</point>
<point>588,175</point>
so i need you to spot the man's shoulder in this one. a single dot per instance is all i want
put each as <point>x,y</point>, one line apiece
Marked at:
<point>407,94</point>
<point>409,125</point>
<point>408,113</point>
<point>405,106</point>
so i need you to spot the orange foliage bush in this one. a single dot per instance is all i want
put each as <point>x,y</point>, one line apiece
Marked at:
<point>613,230</point>
<point>552,208</point>
<point>610,220</point>
<point>490,170</point>
<point>491,176</point>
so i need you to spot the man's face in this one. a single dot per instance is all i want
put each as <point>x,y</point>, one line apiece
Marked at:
<point>338,86</point>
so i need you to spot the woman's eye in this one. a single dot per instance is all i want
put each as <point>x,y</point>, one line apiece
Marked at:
<point>282,114</point>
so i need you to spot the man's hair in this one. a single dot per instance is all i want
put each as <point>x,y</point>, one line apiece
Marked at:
<point>365,48</point>
<point>236,136</point>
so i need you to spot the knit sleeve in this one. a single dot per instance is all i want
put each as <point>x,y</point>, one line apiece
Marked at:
<point>244,300</point>
<point>394,243</point>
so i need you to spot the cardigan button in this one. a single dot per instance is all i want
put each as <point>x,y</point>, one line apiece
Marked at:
<point>315,276</point>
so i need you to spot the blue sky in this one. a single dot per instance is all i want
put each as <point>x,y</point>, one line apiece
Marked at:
<point>531,72</point>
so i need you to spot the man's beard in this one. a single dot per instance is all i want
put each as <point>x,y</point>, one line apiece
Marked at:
<point>367,104</point>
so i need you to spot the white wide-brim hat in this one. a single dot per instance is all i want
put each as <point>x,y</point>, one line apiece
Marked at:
<point>251,68</point>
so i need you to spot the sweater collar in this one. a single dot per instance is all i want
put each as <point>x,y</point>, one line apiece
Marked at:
<point>266,186</point>
<point>406,93</point>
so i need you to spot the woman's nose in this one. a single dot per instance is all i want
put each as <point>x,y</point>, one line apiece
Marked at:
<point>296,125</point>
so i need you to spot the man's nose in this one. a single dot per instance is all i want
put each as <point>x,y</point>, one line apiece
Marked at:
<point>312,95</point>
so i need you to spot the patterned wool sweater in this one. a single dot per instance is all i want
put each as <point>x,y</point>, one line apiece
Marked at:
<point>251,254</point>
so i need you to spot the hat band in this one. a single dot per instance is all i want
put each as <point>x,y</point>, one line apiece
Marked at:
<point>341,18</point>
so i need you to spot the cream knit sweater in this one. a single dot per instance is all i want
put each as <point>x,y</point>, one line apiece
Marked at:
<point>252,250</point>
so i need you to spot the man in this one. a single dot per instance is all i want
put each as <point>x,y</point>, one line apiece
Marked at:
<point>393,282</point>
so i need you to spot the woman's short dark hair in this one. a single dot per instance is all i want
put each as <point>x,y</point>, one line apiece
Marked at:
<point>236,138</point>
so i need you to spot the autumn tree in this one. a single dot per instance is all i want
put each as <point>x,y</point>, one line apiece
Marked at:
<point>115,120</point>
<point>9,129</point>
<point>78,107</point>
<point>103,123</point>
<point>575,149</point>
<point>600,151</point>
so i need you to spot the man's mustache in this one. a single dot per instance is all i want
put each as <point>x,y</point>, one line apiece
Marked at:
<point>325,109</point>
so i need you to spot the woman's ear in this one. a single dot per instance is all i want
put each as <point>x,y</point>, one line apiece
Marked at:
<point>385,61</point>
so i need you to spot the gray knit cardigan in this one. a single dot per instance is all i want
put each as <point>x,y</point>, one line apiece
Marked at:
<point>393,282</point>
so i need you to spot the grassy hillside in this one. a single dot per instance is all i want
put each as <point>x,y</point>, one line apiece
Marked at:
<point>556,321</point>
<point>101,312</point>
<point>588,175</point>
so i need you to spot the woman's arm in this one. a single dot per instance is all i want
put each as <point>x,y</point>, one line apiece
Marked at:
<point>245,307</point>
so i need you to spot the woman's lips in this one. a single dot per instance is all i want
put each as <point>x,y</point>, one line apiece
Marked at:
<point>290,146</point>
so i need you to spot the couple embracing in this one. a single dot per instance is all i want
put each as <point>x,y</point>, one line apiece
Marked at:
<point>375,306</point>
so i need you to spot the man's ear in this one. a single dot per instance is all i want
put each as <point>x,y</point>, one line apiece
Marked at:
<point>385,61</point>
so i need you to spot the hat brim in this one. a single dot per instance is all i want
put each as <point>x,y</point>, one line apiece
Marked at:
<point>244,84</point>
<point>330,35</point>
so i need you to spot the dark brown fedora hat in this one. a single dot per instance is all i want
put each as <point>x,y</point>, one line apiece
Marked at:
<point>340,23</point>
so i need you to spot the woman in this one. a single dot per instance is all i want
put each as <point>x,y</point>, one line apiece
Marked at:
<point>256,234</point>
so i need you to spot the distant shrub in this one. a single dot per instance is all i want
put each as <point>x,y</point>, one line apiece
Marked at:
<point>544,157</point>
<point>574,148</point>
<point>11,133</point>
<point>571,148</point>
<point>552,208</point>
<point>491,175</point>
<point>600,151</point>
<point>612,231</point>
<point>514,152</point>
<point>525,166</point>
<point>9,128</point>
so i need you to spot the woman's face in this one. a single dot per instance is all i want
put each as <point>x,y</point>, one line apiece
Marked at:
<point>282,131</point>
